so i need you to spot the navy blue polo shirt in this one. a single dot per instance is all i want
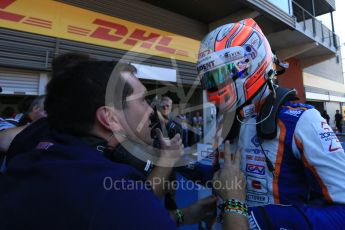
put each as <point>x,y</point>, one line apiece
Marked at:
<point>65,184</point>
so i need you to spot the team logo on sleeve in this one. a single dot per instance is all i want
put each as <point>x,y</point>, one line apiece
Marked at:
<point>329,140</point>
<point>295,113</point>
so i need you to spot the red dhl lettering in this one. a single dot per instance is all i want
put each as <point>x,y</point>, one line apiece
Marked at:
<point>115,32</point>
<point>7,15</point>
<point>104,33</point>
<point>139,35</point>
<point>5,3</point>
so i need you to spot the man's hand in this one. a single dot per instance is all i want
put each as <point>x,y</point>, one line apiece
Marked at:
<point>170,152</point>
<point>171,149</point>
<point>229,182</point>
<point>199,210</point>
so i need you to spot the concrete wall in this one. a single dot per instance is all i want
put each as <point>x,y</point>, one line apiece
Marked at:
<point>330,69</point>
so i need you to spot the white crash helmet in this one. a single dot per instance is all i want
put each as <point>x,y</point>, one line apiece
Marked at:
<point>234,62</point>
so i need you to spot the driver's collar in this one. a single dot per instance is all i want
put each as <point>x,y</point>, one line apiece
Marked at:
<point>252,109</point>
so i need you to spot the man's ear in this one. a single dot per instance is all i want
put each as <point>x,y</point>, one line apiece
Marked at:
<point>108,118</point>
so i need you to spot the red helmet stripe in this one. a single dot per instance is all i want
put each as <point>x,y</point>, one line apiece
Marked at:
<point>257,80</point>
<point>251,23</point>
<point>220,45</point>
<point>254,88</point>
<point>242,36</point>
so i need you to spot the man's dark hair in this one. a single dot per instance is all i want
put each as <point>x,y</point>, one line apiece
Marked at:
<point>77,90</point>
<point>63,61</point>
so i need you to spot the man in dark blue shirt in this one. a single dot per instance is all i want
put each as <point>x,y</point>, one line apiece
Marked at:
<point>66,180</point>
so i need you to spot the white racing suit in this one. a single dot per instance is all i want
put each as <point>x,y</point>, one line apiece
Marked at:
<point>308,189</point>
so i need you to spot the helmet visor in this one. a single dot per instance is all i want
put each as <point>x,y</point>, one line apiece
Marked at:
<point>219,71</point>
<point>219,68</point>
<point>218,78</point>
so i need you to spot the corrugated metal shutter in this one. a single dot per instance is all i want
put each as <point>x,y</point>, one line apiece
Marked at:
<point>19,82</point>
<point>146,14</point>
<point>25,50</point>
<point>186,71</point>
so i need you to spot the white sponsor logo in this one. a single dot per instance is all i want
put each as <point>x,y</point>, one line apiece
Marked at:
<point>218,58</point>
<point>294,113</point>
<point>257,198</point>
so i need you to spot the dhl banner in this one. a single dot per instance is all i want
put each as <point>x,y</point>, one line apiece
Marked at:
<point>64,21</point>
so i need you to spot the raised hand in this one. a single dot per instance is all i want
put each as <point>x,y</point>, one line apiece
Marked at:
<point>229,182</point>
<point>171,149</point>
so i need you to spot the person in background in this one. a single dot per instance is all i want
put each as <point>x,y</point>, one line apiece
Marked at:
<point>8,112</point>
<point>197,127</point>
<point>24,106</point>
<point>168,127</point>
<point>166,107</point>
<point>7,120</point>
<point>169,124</point>
<point>338,119</point>
<point>35,112</point>
<point>29,138</point>
<point>182,119</point>
<point>325,115</point>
